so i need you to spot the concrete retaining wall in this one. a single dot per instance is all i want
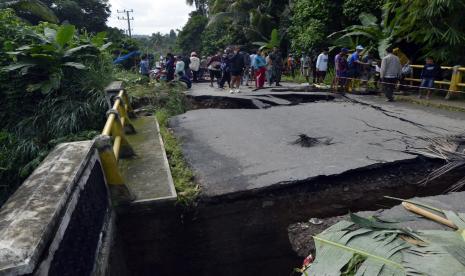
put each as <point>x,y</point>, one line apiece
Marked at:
<point>60,221</point>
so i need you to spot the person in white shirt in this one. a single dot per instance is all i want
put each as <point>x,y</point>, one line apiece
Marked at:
<point>194,66</point>
<point>322,65</point>
<point>179,66</point>
<point>390,71</point>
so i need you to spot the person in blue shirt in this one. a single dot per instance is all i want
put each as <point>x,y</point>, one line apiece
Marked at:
<point>355,63</point>
<point>429,74</point>
<point>144,66</point>
<point>259,65</point>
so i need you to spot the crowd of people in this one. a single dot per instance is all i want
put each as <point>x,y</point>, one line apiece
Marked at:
<point>235,67</point>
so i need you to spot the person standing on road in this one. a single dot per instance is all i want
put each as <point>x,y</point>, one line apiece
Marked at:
<point>214,68</point>
<point>391,70</point>
<point>194,66</point>
<point>203,68</point>
<point>429,74</point>
<point>291,65</point>
<point>269,69</point>
<point>246,75</point>
<point>306,65</point>
<point>368,70</point>
<point>225,69</point>
<point>260,69</point>
<point>237,69</point>
<point>187,62</point>
<point>340,63</point>
<point>252,67</point>
<point>322,65</point>
<point>355,62</point>
<point>277,64</point>
<point>313,59</point>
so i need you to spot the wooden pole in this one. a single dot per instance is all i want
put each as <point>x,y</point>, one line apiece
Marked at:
<point>422,212</point>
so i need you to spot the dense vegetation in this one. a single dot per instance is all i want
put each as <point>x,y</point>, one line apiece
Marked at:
<point>51,89</point>
<point>419,27</point>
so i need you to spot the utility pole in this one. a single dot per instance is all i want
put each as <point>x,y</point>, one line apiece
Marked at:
<point>128,18</point>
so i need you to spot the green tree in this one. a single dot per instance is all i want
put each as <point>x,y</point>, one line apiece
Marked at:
<point>353,8</point>
<point>30,8</point>
<point>189,38</point>
<point>251,20</point>
<point>371,33</point>
<point>312,21</point>
<point>216,37</point>
<point>200,5</point>
<point>51,90</point>
<point>89,14</point>
<point>436,26</point>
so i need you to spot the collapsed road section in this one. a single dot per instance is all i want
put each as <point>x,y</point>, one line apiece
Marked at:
<point>235,151</point>
<point>263,169</point>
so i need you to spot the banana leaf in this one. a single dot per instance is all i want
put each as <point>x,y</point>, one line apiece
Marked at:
<point>370,247</point>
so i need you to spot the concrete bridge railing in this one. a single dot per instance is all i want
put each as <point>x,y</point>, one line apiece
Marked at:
<point>60,218</point>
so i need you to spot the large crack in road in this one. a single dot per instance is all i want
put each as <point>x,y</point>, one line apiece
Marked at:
<point>241,150</point>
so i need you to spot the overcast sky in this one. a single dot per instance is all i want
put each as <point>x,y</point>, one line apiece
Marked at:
<point>151,16</point>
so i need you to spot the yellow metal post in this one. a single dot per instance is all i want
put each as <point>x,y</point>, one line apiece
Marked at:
<point>127,106</point>
<point>121,146</point>
<point>455,80</point>
<point>120,192</point>
<point>109,162</point>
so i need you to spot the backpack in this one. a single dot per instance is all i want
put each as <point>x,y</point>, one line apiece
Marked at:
<point>406,70</point>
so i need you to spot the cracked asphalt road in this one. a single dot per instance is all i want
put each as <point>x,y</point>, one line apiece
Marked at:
<point>236,150</point>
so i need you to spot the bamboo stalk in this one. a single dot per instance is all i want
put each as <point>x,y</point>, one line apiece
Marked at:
<point>422,212</point>
<point>416,203</point>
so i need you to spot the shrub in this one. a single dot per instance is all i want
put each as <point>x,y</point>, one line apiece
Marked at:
<point>51,89</point>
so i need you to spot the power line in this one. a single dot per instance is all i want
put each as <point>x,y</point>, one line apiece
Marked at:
<point>128,18</point>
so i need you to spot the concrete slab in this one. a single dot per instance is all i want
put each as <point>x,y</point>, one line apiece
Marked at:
<point>148,173</point>
<point>236,150</point>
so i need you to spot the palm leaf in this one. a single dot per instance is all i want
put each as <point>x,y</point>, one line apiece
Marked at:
<point>275,39</point>
<point>17,65</point>
<point>75,65</point>
<point>368,19</point>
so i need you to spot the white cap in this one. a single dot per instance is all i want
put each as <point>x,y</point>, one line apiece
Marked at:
<point>359,47</point>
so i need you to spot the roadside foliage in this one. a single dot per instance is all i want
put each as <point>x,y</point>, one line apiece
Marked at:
<point>51,89</point>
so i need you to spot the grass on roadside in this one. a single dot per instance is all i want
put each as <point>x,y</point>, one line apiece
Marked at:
<point>183,176</point>
<point>299,78</point>
<point>430,103</point>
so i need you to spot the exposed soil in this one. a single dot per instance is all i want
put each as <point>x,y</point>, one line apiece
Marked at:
<point>247,234</point>
<point>254,101</point>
